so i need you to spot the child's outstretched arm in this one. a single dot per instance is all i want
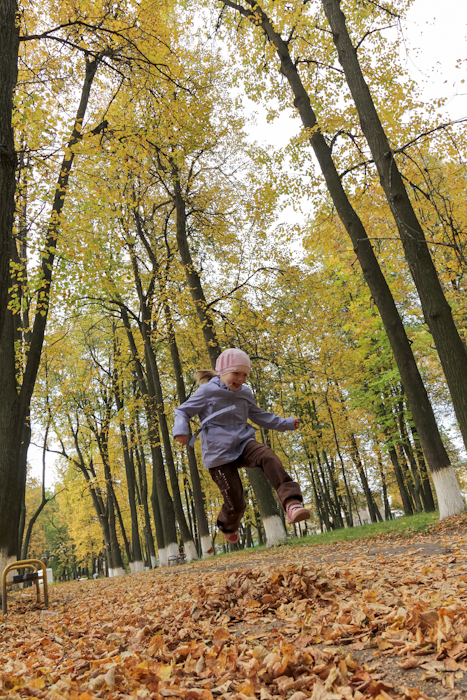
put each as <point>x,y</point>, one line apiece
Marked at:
<point>270,421</point>
<point>183,413</point>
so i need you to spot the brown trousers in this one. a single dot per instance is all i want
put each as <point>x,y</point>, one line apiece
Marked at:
<point>227,478</point>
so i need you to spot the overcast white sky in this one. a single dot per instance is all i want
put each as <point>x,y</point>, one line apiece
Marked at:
<point>439,30</point>
<point>436,39</point>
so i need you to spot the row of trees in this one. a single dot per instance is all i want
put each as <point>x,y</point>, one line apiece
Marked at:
<point>157,222</point>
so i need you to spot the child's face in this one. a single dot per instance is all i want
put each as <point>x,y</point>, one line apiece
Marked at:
<point>234,380</point>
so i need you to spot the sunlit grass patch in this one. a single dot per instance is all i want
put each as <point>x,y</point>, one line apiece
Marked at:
<point>404,526</point>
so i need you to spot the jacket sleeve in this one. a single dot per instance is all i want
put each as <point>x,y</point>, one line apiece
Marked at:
<point>187,410</point>
<point>267,420</point>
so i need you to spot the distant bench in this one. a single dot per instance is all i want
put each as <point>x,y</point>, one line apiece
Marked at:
<point>175,559</point>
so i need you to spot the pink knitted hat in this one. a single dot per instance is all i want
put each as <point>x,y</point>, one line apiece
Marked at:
<point>233,360</point>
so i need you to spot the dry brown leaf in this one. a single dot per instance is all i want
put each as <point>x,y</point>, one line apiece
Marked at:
<point>246,688</point>
<point>221,634</point>
<point>410,662</point>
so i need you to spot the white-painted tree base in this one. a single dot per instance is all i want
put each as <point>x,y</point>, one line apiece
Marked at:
<point>117,572</point>
<point>5,561</point>
<point>153,561</point>
<point>171,550</point>
<point>136,566</point>
<point>449,495</point>
<point>274,530</point>
<point>190,551</point>
<point>163,557</point>
<point>206,546</point>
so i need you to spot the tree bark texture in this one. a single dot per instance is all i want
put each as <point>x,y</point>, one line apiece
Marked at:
<point>181,391</point>
<point>129,465</point>
<point>263,491</point>
<point>155,389</point>
<point>102,439</point>
<point>14,408</point>
<point>437,312</point>
<point>96,495</point>
<point>420,407</point>
<point>9,45</point>
<point>143,487</point>
<point>154,378</point>
<point>192,275</point>
<point>163,509</point>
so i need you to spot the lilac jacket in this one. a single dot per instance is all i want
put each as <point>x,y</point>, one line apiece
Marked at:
<point>224,414</point>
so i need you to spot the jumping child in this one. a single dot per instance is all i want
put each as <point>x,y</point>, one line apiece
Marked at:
<point>224,405</point>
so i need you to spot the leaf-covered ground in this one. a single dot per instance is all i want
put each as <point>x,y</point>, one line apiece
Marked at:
<point>381,618</point>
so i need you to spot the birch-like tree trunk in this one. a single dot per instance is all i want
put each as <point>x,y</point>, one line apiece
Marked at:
<point>437,312</point>
<point>450,501</point>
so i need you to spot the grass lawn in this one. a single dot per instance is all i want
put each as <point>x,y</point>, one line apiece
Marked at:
<point>405,526</point>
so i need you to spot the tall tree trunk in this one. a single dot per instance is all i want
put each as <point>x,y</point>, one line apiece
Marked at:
<point>188,499</point>
<point>202,520</point>
<point>332,480</point>
<point>14,407</point>
<point>192,277</point>
<point>117,568</point>
<point>320,501</point>
<point>160,520</point>
<point>9,45</point>
<point>323,500</point>
<point>327,501</point>
<point>143,490</point>
<point>155,389</point>
<point>348,514</point>
<point>372,507</point>
<point>407,449</point>
<point>387,507</point>
<point>273,526</point>
<point>444,478</point>
<point>136,561</point>
<point>408,480</point>
<point>116,563</point>
<point>23,457</point>
<point>257,518</point>
<point>436,310</point>
<point>157,465</point>
<point>96,496</point>
<point>389,430</point>
<point>428,493</point>
<point>316,496</point>
<point>118,511</point>
<point>406,500</point>
<point>163,508</point>
<point>154,377</point>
